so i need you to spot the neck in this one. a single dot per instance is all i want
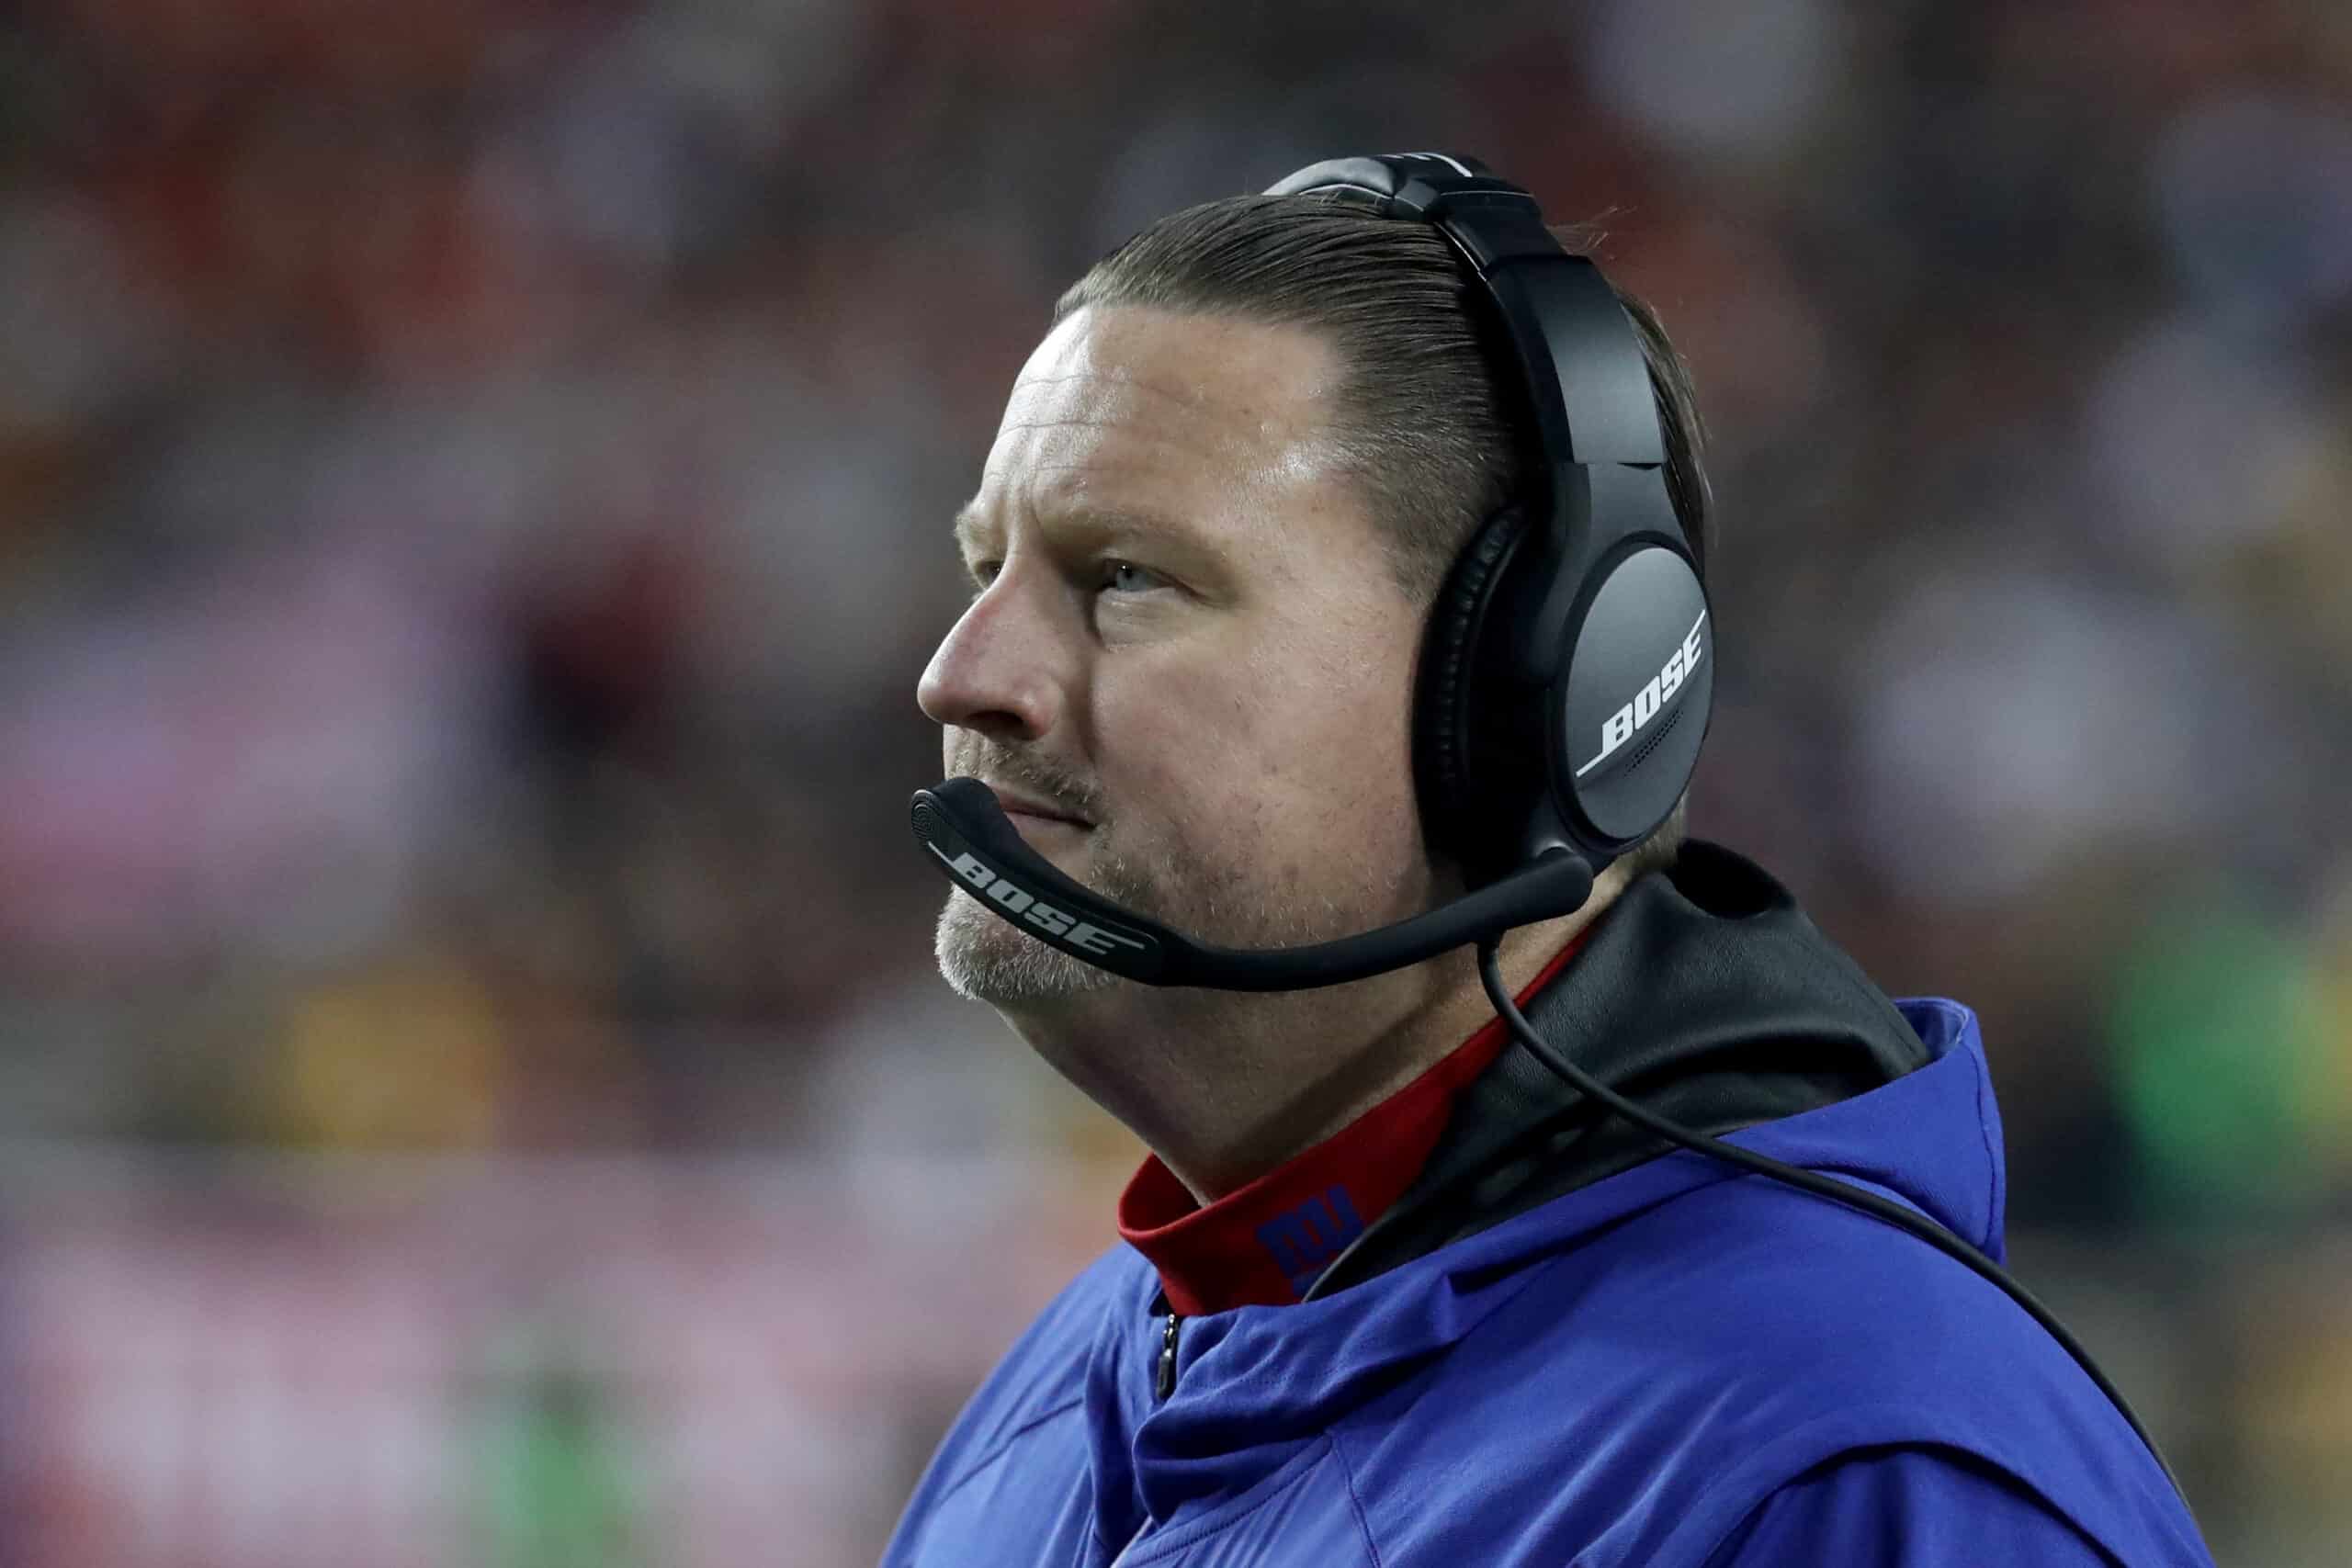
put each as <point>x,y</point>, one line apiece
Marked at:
<point>1225,1086</point>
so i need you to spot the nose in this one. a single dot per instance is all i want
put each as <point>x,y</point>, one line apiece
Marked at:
<point>999,671</point>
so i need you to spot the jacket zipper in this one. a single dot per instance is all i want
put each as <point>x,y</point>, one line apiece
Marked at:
<point>1168,1356</point>
<point>1164,1384</point>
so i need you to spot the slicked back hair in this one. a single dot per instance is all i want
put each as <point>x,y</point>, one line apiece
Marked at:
<point>1419,426</point>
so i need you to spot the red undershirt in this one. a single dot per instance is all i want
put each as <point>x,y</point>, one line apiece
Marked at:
<point>1265,1242</point>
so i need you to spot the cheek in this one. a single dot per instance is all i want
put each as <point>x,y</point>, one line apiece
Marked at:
<point>1185,741</point>
<point>1348,720</point>
<point>1265,751</point>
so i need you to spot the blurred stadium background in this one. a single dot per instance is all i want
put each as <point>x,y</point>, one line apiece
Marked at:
<point>474,478</point>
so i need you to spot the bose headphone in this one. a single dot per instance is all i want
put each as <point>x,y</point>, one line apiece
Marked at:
<point>1566,676</point>
<point>1568,666</point>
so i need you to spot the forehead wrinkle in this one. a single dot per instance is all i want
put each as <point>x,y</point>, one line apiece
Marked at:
<point>1194,398</point>
<point>1135,417</point>
<point>1116,378</point>
<point>1129,443</point>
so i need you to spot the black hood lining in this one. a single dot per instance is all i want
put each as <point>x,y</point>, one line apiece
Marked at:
<point>1704,995</point>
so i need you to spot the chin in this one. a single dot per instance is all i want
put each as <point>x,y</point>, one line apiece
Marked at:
<point>984,958</point>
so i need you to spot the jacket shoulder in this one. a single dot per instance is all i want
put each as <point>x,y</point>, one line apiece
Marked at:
<point>1740,1334</point>
<point>1915,1506</point>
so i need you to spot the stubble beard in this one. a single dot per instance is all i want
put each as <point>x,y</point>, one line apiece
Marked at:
<point>983,959</point>
<point>986,958</point>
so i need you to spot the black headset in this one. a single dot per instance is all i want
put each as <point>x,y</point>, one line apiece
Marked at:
<point>1568,666</point>
<point>1566,678</point>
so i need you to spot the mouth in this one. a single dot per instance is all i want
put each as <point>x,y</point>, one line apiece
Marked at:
<point>1027,814</point>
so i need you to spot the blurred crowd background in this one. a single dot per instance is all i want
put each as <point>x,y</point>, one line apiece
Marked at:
<point>474,488</point>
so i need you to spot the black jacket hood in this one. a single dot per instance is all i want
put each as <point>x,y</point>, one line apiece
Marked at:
<point>1706,996</point>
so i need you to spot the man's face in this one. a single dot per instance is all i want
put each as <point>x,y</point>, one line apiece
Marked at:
<point>1183,634</point>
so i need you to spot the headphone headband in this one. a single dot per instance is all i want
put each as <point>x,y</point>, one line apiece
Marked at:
<point>1580,371</point>
<point>1404,184</point>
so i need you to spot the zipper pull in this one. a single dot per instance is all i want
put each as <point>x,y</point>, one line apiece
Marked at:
<point>1168,1356</point>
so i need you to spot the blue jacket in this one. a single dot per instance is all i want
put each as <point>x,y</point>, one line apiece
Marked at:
<point>1676,1365</point>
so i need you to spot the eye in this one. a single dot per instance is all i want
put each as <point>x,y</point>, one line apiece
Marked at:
<point>1120,575</point>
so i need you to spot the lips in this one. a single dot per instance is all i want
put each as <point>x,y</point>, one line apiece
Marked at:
<point>1012,801</point>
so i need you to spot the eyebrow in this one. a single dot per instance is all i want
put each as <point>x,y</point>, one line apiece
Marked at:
<point>1104,519</point>
<point>967,519</point>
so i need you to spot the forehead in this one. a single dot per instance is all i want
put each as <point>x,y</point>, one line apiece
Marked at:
<point>1220,423</point>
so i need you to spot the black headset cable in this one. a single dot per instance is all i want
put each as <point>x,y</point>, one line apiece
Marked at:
<point>1894,1213</point>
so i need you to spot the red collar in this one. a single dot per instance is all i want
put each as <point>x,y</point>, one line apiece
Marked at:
<point>1265,1242</point>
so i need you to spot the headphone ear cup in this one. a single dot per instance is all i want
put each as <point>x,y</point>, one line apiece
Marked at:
<point>1442,722</point>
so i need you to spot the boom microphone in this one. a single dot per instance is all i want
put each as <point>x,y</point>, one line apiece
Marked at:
<point>961,823</point>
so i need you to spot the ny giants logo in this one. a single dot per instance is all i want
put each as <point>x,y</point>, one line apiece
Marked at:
<point>997,890</point>
<point>1635,715</point>
<point>1305,1240</point>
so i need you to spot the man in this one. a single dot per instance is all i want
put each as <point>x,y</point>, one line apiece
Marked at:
<point>1387,1292</point>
